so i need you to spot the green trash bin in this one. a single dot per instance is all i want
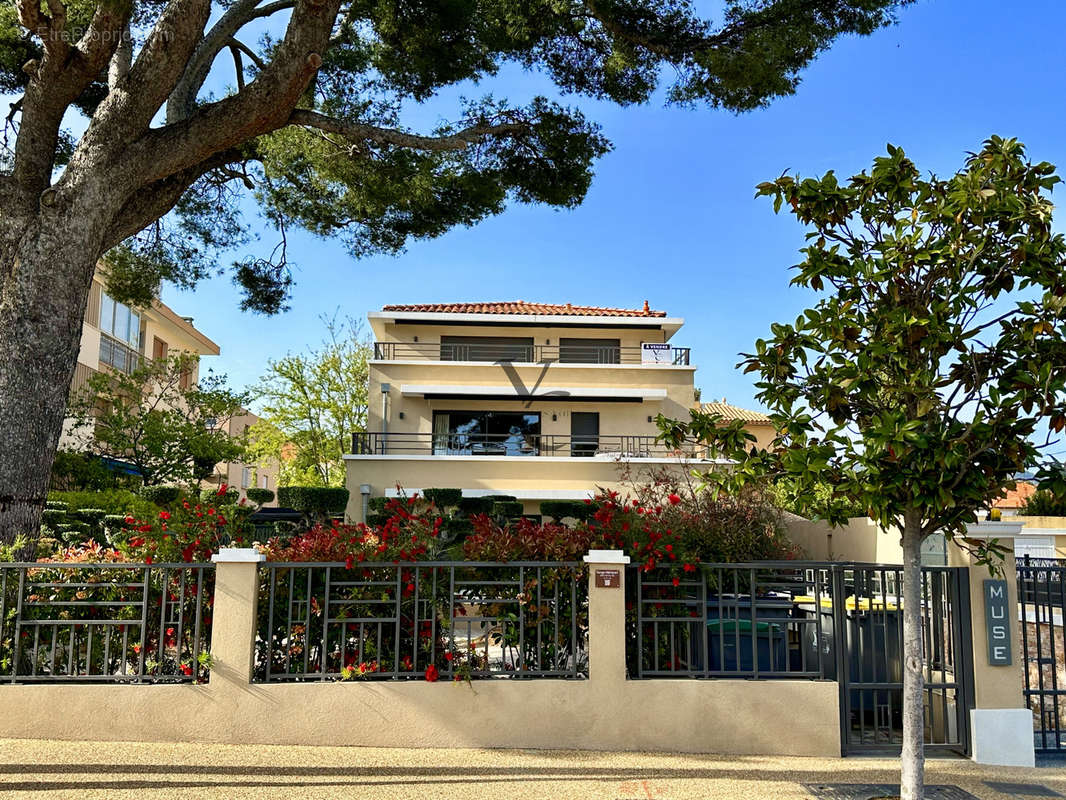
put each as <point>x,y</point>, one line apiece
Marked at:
<point>730,647</point>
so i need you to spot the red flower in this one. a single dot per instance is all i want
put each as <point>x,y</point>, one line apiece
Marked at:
<point>449,656</point>
<point>677,581</point>
<point>164,515</point>
<point>431,674</point>
<point>186,669</point>
<point>147,559</point>
<point>137,542</point>
<point>129,520</point>
<point>674,499</point>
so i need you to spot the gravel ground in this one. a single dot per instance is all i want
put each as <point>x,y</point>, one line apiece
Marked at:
<point>83,770</point>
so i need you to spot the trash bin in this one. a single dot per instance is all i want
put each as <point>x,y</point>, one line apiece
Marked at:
<point>730,646</point>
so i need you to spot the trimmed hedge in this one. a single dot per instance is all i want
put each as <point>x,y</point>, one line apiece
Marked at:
<point>323,500</point>
<point>457,528</point>
<point>376,505</point>
<point>92,516</point>
<point>444,498</point>
<point>376,520</point>
<point>501,498</point>
<point>232,495</point>
<point>476,505</point>
<point>507,510</point>
<point>161,495</point>
<point>260,496</point>
<point>56,505</point>
<point>53,517</point>
<point>559,510</point>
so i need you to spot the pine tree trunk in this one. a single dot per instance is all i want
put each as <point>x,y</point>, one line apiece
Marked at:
<point>912,759</point>
<point>46,277</point>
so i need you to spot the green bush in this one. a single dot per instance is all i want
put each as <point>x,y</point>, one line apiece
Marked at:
<point>501,498</point>
<point>507,509</point>
<point>80,472</point>
<point>377,504</point>
<point>315,500</point>
<point>559,510</point>
<point>74,533</point>
<point>92,516</point>
<point>113,501</point>
<point>161,496</point>
<point>456,529</point>
<point>56,505</point>
<point>212,497</point>
<point>444,498</point>
<point>476,505</point>
<point>376,520</point>
<point>113,523</point>
<point>260,496</point>
<point>53,517</point>
<point>284,527</point>
<point>1043,504</point>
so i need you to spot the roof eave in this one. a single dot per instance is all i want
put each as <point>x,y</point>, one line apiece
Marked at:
<point>670,325</point>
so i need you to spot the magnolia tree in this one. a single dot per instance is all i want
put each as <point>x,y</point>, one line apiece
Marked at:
<point>916,388</point>
<point>304,113</point>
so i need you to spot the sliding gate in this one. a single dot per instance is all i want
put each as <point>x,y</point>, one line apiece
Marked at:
<point>869,663</point>
<point>1042,601</point>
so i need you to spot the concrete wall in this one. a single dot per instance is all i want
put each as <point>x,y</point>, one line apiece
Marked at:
<point>861,539</point>
<point>605,712</point>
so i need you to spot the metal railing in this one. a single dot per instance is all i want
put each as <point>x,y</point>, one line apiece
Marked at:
<point>118,623</point>
<point>119,355</point>
<point>523,354</point>
<point>532,445</point>
<point>455,620</point>
<point>1042,599</point>
<point>832,621</point>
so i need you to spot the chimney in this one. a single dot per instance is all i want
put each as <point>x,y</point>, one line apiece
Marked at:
<point>647,310</point>
<point>569,309</point>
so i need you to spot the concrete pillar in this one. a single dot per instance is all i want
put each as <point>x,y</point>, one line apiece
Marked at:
<point>607,615</point>
<point>1001,727</point>
<point>233,617</point>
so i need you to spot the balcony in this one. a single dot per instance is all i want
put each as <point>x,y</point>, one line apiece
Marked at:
<point>529,445</point>
<point>529,353</point>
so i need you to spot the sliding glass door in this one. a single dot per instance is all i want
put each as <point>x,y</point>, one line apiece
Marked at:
<point>486,433</point>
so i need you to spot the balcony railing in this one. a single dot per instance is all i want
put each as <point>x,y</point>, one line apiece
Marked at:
<point>532,445</point>
<point>531,354</point>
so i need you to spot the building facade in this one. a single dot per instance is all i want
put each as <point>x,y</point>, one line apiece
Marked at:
<point>540,402</point>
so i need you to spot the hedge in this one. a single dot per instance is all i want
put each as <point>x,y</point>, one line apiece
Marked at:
<point>376,520</point>
<point>457,528</point>
<point>322,500</point>
<point>231,495</point>
<point>559,510</point>
<point>444,498</point>
<point>476,505</point>
<point>56,505</point>
<point>507,509</point>
<point>377,504</point>
<point>501,498</point>
<point>92,516</point>
<point>161,495</point>
<point>260,496</point>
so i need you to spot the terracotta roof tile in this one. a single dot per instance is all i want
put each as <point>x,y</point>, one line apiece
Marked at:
<point>522,307</point>
<point>1016,497</point>
<point>736,412</point>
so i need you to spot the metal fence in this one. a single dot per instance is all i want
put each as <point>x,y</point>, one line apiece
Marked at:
<point>532,445</point>
<point>792,620</point>
<point>118,623</point>
<point>455,620</point>
<point>492,352</point>
<point>1042,599</point>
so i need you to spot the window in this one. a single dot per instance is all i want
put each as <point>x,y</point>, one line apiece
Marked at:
<point>210,423</point>
<point>246,477</point>
<point>120,321</point>
<point>159,348</point>
<point>589,351</point>
<point>117,355</point>
<point>486,433</point>
<point>486,348</point>
<point>263,482</point>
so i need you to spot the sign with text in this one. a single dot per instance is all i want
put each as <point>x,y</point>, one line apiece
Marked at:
<point>608,578</point>
<point>656,353</point>
<point>997,623</point>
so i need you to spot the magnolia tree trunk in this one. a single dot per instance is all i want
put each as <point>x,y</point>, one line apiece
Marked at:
<point>912,759</point>
<point>46,268</point>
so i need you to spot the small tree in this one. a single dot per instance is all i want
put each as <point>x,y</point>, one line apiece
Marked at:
<point>312,403</point>
<point>915,386</point>
<point>171,429</point>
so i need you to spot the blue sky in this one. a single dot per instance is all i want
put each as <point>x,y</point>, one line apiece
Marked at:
<point>671,216</point>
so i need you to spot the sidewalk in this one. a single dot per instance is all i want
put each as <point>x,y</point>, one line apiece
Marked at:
<point>47,769</point>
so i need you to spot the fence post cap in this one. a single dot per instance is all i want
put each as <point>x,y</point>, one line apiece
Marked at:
<point>237,555</point>
<point>606,557</point>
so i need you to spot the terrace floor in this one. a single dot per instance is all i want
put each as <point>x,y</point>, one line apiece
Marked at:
<point>49,769</point>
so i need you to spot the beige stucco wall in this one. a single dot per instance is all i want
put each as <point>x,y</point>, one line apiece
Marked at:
<point>605,712</point>
<point>430,333</point>
<point>860,540</point>
<point>1034,525</point>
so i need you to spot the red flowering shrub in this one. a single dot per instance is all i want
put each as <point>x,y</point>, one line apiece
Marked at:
<point>524,540</point>
<point>190,531</point>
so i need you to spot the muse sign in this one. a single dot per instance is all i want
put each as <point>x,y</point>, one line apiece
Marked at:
<point>997,623</point>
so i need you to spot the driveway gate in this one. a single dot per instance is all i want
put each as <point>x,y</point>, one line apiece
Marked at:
<point>870,661</point>
<point>1042,599</point>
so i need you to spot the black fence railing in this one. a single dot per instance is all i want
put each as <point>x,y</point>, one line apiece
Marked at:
<point>527,353</point>
<point>105,622</point>
<point>1042,599</point>
<point>531,445</point>
<point>452,620</point>
<point>832,621</point>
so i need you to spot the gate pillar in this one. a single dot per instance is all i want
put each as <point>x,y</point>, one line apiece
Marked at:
<point>1001,727</point>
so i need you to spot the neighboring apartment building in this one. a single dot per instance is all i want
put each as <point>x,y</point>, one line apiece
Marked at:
<point>119,337</point>
<point>263,475</point>
<point>755,422</point>
<point>525,399</point>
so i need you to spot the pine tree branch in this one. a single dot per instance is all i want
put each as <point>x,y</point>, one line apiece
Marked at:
<point>360,132</point>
